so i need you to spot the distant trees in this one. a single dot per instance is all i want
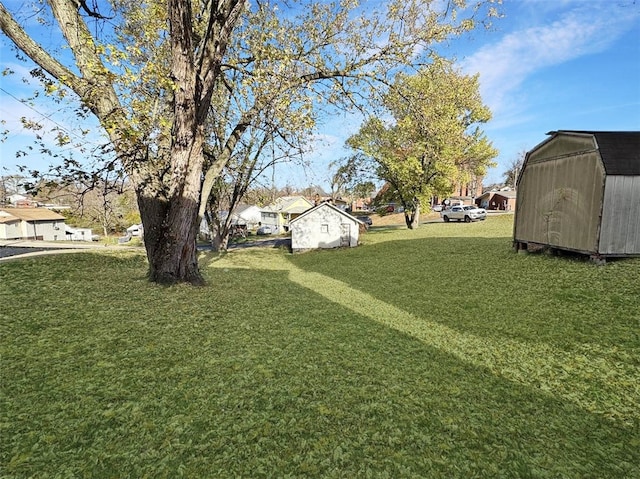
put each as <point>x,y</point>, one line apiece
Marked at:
<point>510,175</point>
<point>431,140</point>
<point>10,184</point>
<point>348,182</point>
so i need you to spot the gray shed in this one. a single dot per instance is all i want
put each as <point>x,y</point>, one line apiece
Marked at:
<point>580,191</point>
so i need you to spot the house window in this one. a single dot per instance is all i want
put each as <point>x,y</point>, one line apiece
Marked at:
<point>324,228</point>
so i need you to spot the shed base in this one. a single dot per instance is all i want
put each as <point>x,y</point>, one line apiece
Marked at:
<point>524,247</point>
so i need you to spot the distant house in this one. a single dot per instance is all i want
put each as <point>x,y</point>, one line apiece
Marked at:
<point>249,215</point>
<point>324,226</point>
<point>135,230</point>
<point>16,198</point>
<point>580,191</point>
<point>504,200</point>
<point>21,201</point>
<point>31,223</point>
<point>78,234</point>
<point>282,211</point>
<point>463,193</point>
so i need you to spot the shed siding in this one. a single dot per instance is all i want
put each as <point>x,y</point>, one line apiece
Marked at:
<point>563,146</point>
<point>560,197</point>
<point>620,232</point>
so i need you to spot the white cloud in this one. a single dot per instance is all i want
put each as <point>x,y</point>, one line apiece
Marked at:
<point>504,66</point>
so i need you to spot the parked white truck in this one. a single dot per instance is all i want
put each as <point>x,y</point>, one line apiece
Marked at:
<point>466,213</point>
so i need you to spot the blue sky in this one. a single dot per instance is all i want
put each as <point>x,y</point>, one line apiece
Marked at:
<point>547,65</point>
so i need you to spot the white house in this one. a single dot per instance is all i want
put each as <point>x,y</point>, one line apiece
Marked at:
<point>31,223</point>
<point>135,230</point>
<point>324,226</point>
<point>246,215</point>
<point>16,198</point>
<point>78,234</point>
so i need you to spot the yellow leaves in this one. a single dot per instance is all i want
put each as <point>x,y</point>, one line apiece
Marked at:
<point>50,88</point>
<point>468,24</point>
<point>62,138</point>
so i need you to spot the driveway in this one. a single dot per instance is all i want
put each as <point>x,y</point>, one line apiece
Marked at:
<point>20,248</point>
<point>14,248</point>
<point>266,242</point>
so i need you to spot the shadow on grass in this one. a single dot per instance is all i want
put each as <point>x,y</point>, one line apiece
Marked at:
<point>522,376</point>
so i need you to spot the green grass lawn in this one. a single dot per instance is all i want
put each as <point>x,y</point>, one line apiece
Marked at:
<point>437,353</point>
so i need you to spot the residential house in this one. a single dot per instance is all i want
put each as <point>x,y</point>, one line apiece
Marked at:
<point>463,193</point>
<point>282,211</point>
<point>247,215</point>
<point>580,191</point>
<point>504,200</point>
<point>16,198</point>
<point>324,226</point>
<point>31,223</point>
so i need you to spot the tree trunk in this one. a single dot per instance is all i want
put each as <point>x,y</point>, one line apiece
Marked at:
<point>412,216</point>
<point>170,240</point>
<point>415,222</point>
<point>218,233</point>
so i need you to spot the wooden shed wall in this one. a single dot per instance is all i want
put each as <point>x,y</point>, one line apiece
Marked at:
<point>560,196</point>
<point>620,230</point>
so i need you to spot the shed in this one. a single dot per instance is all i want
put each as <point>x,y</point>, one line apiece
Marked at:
<point>78,234</point>
<point>324,226</point>
<point>580,191</point>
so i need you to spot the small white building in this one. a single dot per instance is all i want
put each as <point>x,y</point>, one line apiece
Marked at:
<point>324,226</point>
<point>78,234</point>
<point>135,230</point>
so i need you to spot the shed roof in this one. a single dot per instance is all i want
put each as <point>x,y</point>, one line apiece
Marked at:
<point>326,205</point>
<point>619,150</point>
<point>33,214</point>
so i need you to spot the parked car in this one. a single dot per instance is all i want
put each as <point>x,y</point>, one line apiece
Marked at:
<point>265,230</point>
<point>437,208</point>
<point>466,213</point>
<point>366,220</point>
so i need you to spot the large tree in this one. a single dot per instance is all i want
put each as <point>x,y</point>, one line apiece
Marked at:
<point>430,140</point>
<point>154,73</point>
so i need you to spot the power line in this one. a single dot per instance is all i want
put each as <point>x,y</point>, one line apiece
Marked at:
<point>46,117</point>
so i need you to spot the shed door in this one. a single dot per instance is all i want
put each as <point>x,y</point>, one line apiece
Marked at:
<point>345,234</point>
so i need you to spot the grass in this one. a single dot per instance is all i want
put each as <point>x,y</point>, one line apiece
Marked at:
<point>433,353</point>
